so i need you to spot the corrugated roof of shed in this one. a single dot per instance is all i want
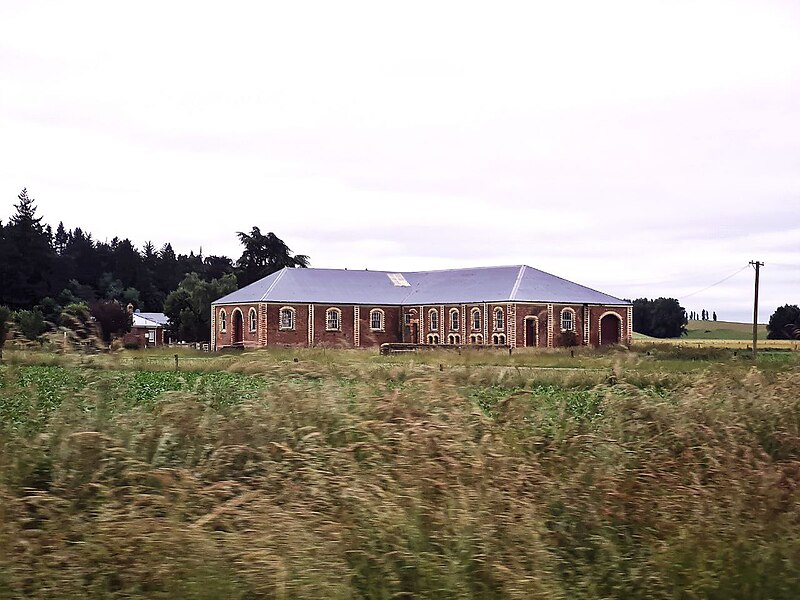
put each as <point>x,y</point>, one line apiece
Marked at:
<point>453,286</point>
<point>141,319</point>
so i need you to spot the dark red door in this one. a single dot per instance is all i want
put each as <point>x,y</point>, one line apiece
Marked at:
<point>530,332</point>
<point>238,327</point>
<point>609,330</point>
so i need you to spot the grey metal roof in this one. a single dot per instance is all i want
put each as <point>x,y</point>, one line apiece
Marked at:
<point>150,319</point>
<point>518,283</point>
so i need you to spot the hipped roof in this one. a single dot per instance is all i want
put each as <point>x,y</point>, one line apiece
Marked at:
<point>518,283</point>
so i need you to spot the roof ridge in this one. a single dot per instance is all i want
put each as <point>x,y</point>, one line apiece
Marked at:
<point>517,283</point>
<point>274,283</point>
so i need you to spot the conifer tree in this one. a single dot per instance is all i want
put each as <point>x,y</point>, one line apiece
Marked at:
<point>29,256</point>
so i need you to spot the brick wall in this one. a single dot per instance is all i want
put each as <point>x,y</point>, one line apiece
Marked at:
<point>391,326</point>
<point>514,330</point>
<point>225,338</point>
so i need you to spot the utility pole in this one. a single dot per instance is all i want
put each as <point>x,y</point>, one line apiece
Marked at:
<point>756,264</point>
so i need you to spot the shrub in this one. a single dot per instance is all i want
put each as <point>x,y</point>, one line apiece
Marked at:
<point>31,323</point>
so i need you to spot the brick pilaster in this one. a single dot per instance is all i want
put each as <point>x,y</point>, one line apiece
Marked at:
<point>357,326</point>
<point>310,325</point>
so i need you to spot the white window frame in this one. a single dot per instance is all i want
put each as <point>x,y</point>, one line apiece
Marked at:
<point>223,320</point>
<point>433,318</point>
<point>292,314</point>
<point>571,313</point>
<point>328,321</point>
<point>381,319</point>
<point>455,319</point>
<point>499,319</point>
<point>252,319</point>
<point>476,322</point>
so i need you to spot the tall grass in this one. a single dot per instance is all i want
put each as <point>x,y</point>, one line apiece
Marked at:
<point>341,478</point>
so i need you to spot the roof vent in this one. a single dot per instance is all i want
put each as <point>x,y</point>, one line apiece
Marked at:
<point>398,280</point>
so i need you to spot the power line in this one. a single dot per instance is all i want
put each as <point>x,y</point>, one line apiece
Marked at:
<point>683,297</point>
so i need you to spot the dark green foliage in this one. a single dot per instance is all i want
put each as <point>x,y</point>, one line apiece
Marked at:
<point>50,309</point>
<point>783,322</point>
<point>31,323</point>
<point>660,318</point>
<point>70,266</point>
<point>27,259</point>
<point>5,316</point>
<point>264,255</point>
<point>189,306</point>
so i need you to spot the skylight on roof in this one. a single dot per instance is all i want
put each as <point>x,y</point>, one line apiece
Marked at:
<point>398,280</point>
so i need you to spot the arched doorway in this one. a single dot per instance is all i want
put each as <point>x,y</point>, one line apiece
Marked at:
<point>531,332</point>
<point>610,327</point>
<point>237,327</point>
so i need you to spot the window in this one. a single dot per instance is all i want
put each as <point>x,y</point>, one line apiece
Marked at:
<point>333,319</point>
<point>407,318</point>
<point>287,318</point>
<point>567,320</point>
<point>476,319</point>
<point>453,339</point>
<point>376,319</point>
<point>454,319</point>
<point>476,339</point>
<point>253,319</point>
<point>434,318</point>
<point>499,339</point>
<point>151,336</point>
<point>433,338</point>
<point>223,321</point>
<point>499,318</point>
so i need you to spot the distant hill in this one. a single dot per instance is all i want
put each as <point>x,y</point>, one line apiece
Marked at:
<point>723,330</point>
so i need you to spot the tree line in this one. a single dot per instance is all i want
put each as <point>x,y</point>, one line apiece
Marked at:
<point>42,272</point>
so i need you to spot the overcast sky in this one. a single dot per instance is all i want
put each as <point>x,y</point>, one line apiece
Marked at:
<point>641,148</point>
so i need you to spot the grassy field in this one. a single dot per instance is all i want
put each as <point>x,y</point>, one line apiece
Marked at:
<point>724,330</point>
<point>721,334</point>
<point>662,472</point>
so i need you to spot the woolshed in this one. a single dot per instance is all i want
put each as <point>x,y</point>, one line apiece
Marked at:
<point>513,306</point>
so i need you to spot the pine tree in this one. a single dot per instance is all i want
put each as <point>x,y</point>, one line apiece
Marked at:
<point>29,256</point>
<point>61,238</point>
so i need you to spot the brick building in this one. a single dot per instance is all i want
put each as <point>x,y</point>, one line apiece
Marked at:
<point>515,306</point>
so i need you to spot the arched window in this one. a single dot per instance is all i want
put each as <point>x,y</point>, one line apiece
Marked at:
<point>287,318</point>
<point>333,319</point>
<point>499,318</point>
<point>223,321</point>
<point>433,315</point>
<point>454,319</point>
<point>376,317</point>
<point>499,339</point>
<point>476,319</point>
<point>433,338</point>
<point>453,339</point>
<point>567,320</point>
<point>253,319</point>
<point>479,339</point>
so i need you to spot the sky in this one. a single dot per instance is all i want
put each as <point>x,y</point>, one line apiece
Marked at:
<point>643,148</point>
